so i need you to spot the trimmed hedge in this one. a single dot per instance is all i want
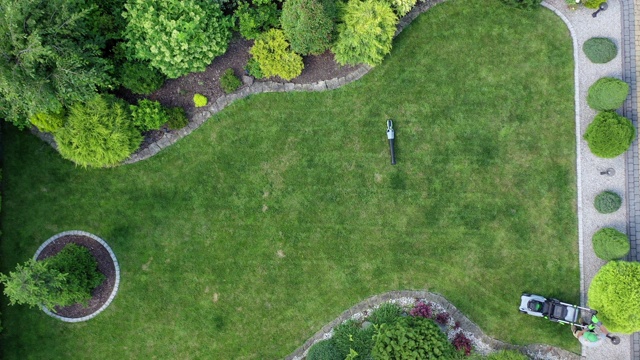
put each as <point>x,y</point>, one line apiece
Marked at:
<point>609,134</point>
<point>600,50</point>
<point>615,292</point>
<point>610,244</point>
<point>607,202</point>
<point>607,93</point>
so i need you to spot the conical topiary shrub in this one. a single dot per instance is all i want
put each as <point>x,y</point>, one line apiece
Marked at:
<point>607,94</point>
<point>610,244</point>
<point>609,134</point>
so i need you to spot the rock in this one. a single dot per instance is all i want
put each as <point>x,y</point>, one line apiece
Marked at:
<point>247,80</point>
<point>366,324</point>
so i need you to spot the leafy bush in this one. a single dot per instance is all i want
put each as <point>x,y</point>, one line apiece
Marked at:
<point>607,94</point>
<point>177,118</point>
<point>366,34</point>
<point>82,275</point>
<point>593,4</point>
<point>386,313</point>
<point>523,4</point>
<point>200,100</point>
<point>176,36</point>
<point>600,50</point>
<point>609,134</point>
<point>98,133</point>
<point>349,335</point>
<point>422,309</point>
<point>307,26</point>
<point>507,355</point>
<point>324,350</point>
<point>49,122</point>
<point>255,17</point>
<point>253,68</point>
<point>610,244</point>
<point>411,338</point>
<point>462,343</point>
<point>401,7</point>
<point>148,115</point>
<point>443,318</point>
<point>229,82</point>
<point>271,51</point>
<point>607,202</point>
<point>615,292</point>
<point>141,78</point>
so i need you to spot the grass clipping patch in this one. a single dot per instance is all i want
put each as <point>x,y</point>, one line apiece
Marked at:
<point>609,134</point>
<point>610,244</point>
<point>600,50</point>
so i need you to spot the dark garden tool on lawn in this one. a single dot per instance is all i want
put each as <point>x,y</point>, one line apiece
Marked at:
<point>602,7</point>
<point>391,136</point>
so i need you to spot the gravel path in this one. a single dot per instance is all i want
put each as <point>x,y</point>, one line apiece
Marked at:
<point>590,182</point>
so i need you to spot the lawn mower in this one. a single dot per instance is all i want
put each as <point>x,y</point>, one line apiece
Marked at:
<point>561,312</point>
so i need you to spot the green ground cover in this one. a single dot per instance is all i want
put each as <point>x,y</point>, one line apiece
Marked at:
<point>245,238</point>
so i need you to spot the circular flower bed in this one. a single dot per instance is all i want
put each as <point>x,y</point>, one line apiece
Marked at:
<point>107,265</point>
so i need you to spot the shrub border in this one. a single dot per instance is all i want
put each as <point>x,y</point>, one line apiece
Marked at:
<point>535,351</point>
<point>115,264</point>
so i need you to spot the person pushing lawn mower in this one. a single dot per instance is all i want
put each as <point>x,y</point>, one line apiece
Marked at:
<point>588,336</point>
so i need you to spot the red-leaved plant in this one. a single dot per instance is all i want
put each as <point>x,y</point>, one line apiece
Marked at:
<point>462,343</point>
<point>422,309</point>
<point>443,318</point>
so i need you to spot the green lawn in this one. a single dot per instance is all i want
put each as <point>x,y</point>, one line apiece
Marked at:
<point>479,208</point>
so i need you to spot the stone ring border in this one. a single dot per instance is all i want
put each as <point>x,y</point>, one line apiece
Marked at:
<point>534,351</point>
<point>115,264</point>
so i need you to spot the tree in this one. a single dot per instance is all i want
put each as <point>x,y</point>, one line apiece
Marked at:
<point>366,34</point>
<point>33,283</point>
<point>50,56</point>
<point>176,36</point>
<point>615,293</point>
<point>307,26</point>
<point>98,133</point>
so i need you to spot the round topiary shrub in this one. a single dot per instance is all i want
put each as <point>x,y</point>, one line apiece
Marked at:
<point>600,50</point>
<point>523,4</point>
<point>607,202</point>
<point>593,4</point>
<point>610,244</point>
<point>609,134</point>
<point>418,336</point>
<point>607,94</point>
<point>324,350</point>
<point>615,292</point>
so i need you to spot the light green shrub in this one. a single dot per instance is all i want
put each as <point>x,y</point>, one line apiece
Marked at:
<point>148,115</point>
<point>141,78</point>
<point>401,7</point>
<point>610,244</point>
<point>271,51</point>
<point>600,50</point>
<point>49,122</point>
<point>98,133</point>
<point>412,338</point>
<point>615,293</point>
<point>609,134</point>
<point>366,33</point>
<point>607,94</point>
<point>307,26</point>
<point>200,100</point>
<point>593,4</point>
<point>176,36</point>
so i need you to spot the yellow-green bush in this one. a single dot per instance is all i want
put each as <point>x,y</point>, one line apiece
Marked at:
<point>615,293</point>
<point>271,51</point>
<point>200,100</point>
<point>49,122</point>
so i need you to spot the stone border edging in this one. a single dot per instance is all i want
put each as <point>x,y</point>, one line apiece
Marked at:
<point>535,351</point>
<point>115,264</point>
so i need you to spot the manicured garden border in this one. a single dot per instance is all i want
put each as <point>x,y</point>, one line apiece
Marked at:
<point>115,264</point>
<point>535,351</point>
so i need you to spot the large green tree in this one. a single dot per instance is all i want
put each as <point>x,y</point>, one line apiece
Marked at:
<point>51,55</point>
<point>176,36</point>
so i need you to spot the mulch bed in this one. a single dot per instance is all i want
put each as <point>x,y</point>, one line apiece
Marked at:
<point>180,91</point>
<point>105,265</point>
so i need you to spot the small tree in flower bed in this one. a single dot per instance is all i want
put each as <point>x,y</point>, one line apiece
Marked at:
<point>462,343</point>
<point>422,309</point>
<point>443,318</point>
